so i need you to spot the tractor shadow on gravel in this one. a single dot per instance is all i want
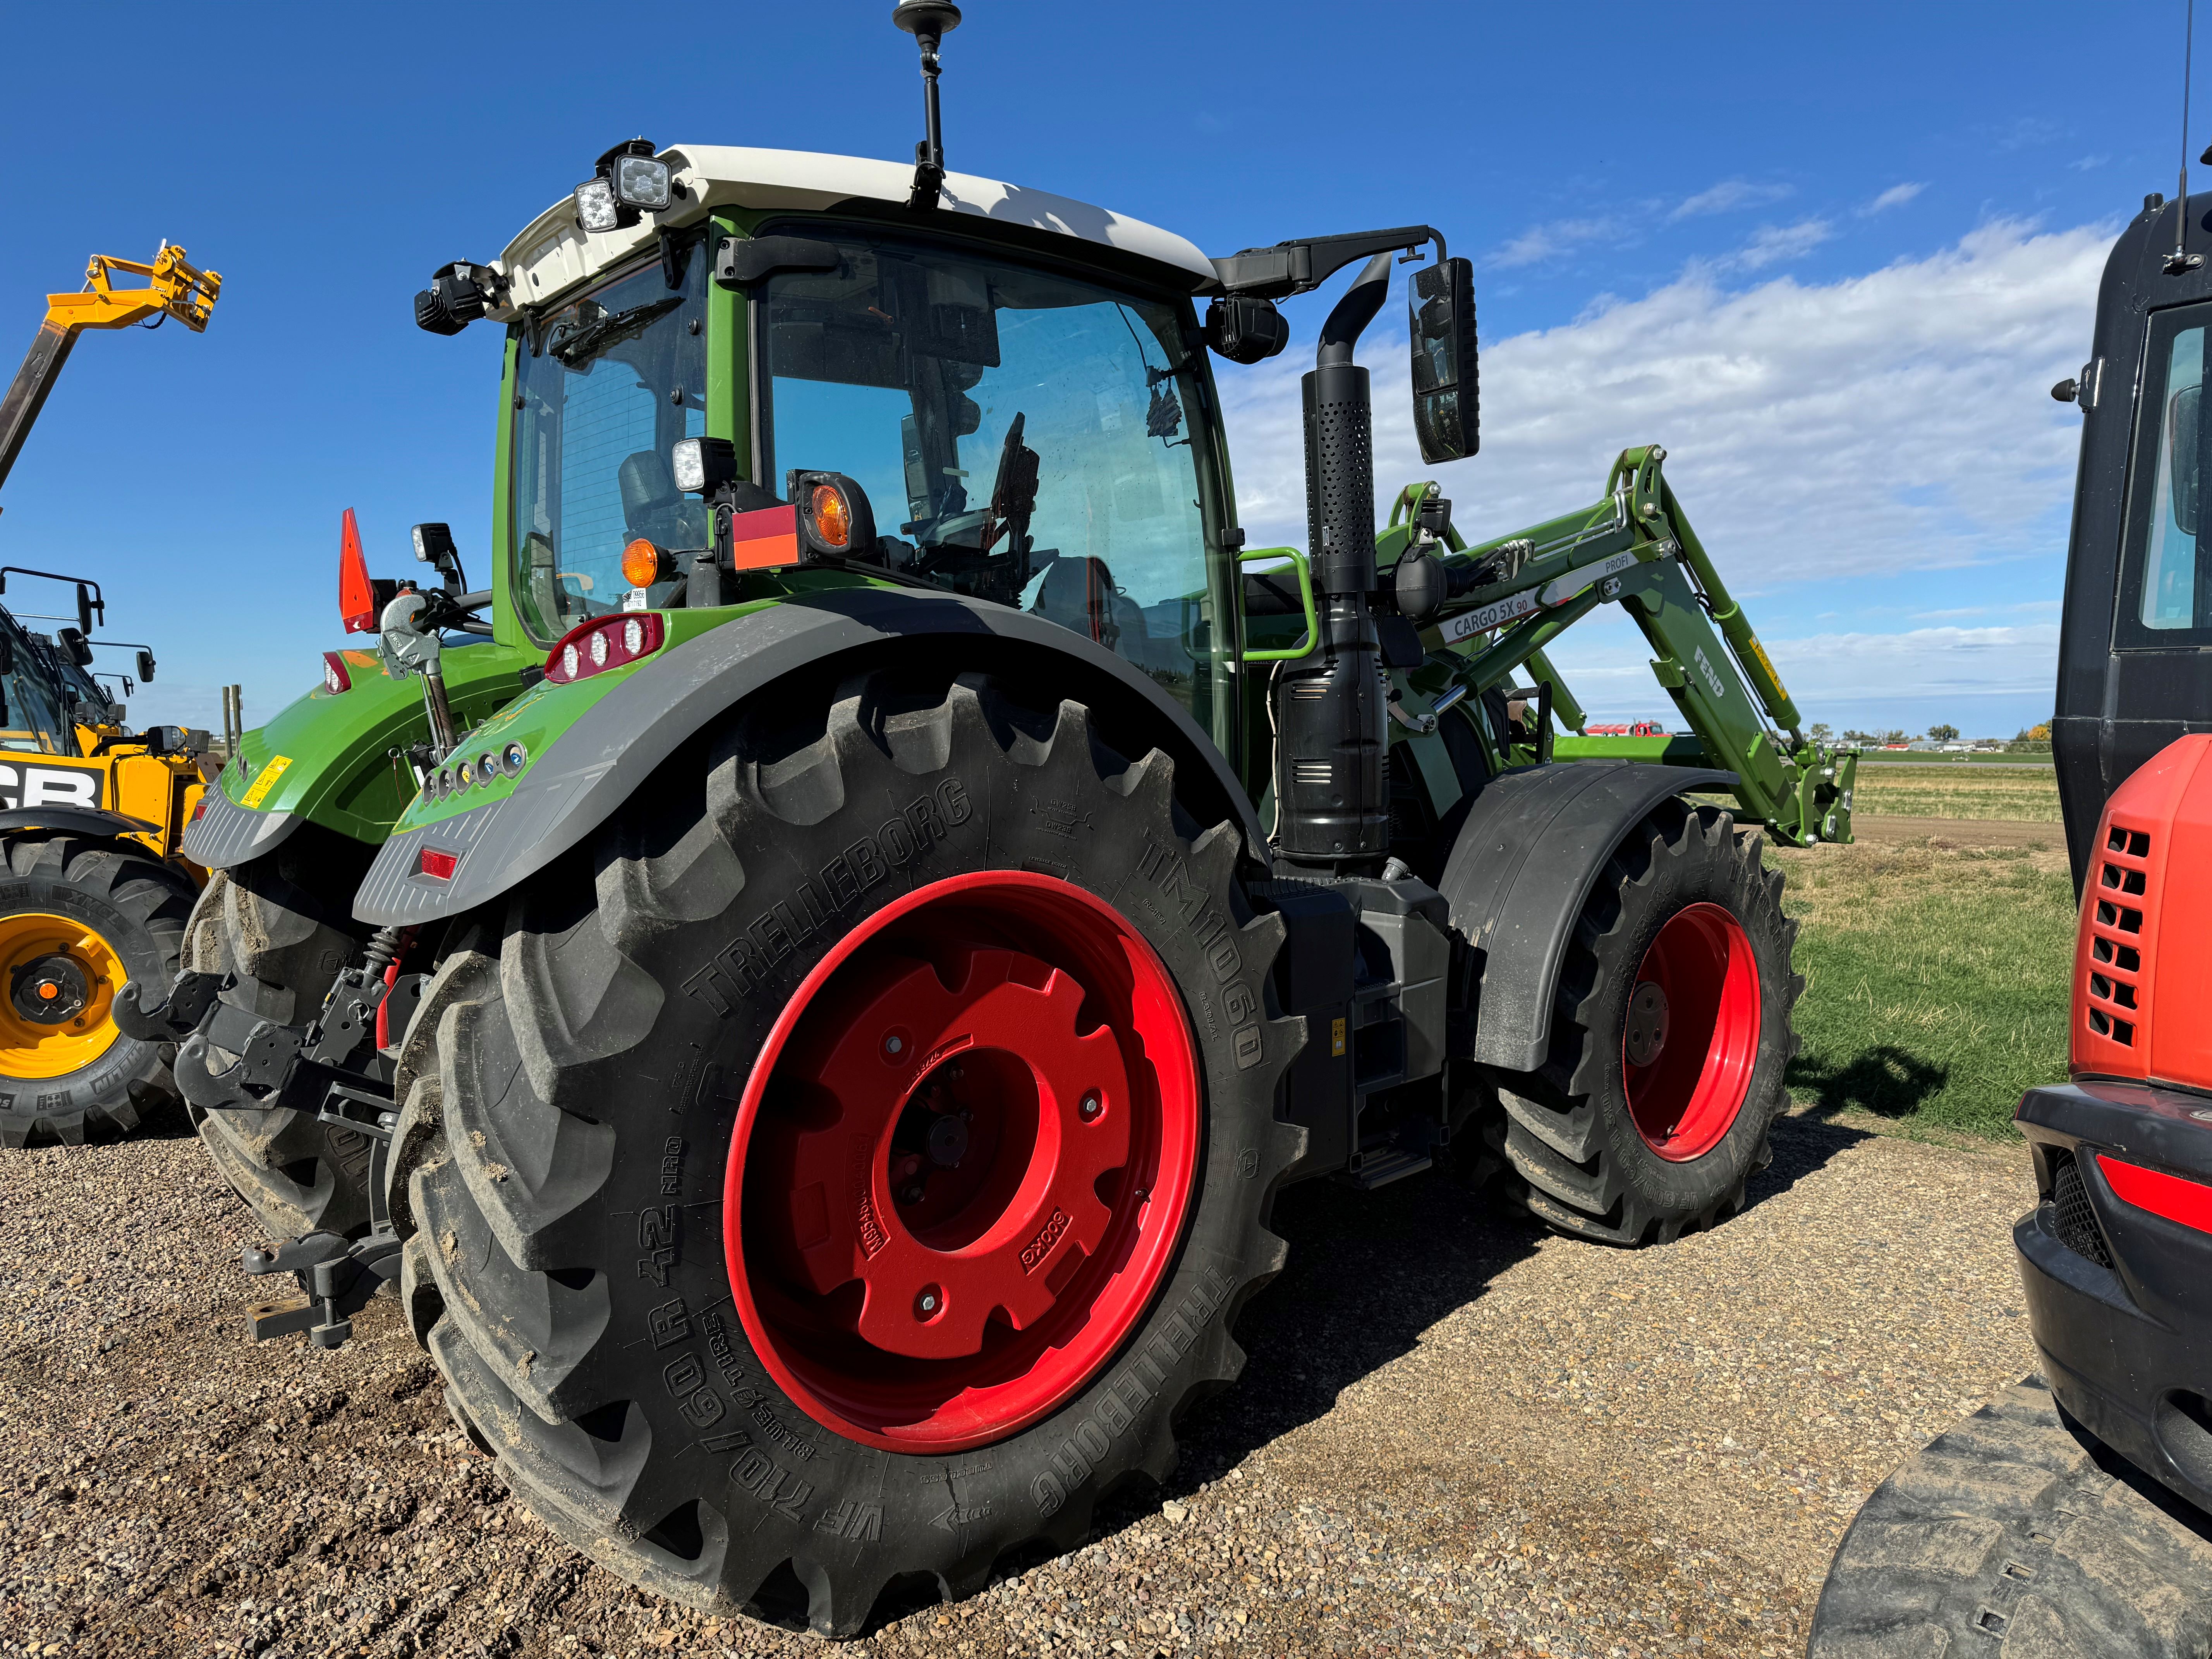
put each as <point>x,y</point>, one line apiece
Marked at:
<point>1368,1273</point>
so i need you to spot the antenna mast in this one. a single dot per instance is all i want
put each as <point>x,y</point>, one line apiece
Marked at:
<point>2182,259</point>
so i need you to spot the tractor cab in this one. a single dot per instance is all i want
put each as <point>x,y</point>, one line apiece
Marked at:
<point>2135,660</point>
<point>1010,391</point>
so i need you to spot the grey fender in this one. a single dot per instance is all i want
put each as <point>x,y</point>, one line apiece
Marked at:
<point>75,820</point>
<point>1520,869</point>
<point>604,759</point>
<point>225,834</point>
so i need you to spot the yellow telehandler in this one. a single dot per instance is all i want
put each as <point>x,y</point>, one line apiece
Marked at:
<point>94,892</point>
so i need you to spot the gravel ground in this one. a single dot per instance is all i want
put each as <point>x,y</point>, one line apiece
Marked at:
<point>1457,1434</point>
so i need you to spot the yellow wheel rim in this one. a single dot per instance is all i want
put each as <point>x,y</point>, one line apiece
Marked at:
<point>58,984</point>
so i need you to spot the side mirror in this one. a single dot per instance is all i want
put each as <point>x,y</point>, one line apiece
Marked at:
<point>75,646</point>
<point>83,611</point>
<point>146,667</point>
<point>1440,303</point>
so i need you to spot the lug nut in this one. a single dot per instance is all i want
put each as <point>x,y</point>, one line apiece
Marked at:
<point>926,1304</point>
<point>1092,1106</point>
<point>894,1044</point>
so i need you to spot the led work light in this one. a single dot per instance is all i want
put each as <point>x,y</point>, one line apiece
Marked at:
<point>626,184</point>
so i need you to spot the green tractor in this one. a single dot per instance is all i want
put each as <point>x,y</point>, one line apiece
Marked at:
<point>807,983</point>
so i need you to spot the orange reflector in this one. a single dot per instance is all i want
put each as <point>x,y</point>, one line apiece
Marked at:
<point>642,564</point>
<point>2189,1202</point>
<point>436,864</point>
<point>832,516</point>
<point>356,598</point>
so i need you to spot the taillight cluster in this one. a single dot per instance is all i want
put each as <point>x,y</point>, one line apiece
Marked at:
<point>602,643</point>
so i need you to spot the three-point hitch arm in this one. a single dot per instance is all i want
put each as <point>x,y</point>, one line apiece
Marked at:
<point>174,288</point>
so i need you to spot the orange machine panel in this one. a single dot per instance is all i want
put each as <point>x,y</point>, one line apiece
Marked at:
<point>2142,956</point>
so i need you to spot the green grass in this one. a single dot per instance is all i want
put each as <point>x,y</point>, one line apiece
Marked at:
<point>1935,980</point>
<point>1929,793</point>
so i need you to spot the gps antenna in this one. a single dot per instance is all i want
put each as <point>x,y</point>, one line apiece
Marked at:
<point>2181,258</point>
<point>929,21</point>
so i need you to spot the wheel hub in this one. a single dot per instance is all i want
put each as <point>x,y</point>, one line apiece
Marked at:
<point>60,978</point>
<point>962,1162</point>
<point>1690,1040</point>
<point>1647,1024</point>
<point>50,990</point>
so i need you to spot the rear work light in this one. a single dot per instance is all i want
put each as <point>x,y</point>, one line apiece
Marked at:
<point>2174,1197</point>
<point>603,642</point>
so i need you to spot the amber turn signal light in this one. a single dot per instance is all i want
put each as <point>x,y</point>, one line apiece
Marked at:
<point>832,517</point>
<point>644,564</point>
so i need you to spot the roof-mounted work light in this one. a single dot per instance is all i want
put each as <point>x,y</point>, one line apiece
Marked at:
<point>626,184</point>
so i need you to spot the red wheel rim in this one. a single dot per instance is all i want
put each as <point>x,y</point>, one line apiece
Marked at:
<point>961,1163</point>
<point>1688,1052</point>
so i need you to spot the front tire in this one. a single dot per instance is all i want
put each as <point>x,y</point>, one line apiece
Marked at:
<point>265,927</point>
<point>1670,1035</point>
<point>692,1232</point>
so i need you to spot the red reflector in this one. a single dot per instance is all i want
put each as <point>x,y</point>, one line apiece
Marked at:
<point>356,596</point>
<point>764,539</point>
<point>2189,1202</point>
<point>438,866</point>
<point>199,809</point>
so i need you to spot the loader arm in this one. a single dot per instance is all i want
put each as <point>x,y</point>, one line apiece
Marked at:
<point>174,288</point>
<point>1635,548</point>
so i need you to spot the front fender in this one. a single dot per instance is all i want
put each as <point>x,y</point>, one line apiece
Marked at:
<point>601,759</point>
<point>1522,865</point>
<point>325,757</point>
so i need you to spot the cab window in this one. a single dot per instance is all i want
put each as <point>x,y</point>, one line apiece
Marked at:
<point>2165,575</point>
<point>605,385</point>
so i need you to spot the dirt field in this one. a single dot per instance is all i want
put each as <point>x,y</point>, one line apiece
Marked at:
<point>1455,1434</point>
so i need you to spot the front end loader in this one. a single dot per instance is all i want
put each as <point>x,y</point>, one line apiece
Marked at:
<point>808,983</point>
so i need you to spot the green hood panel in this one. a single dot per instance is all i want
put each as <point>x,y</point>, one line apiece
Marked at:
<point>326,756</point>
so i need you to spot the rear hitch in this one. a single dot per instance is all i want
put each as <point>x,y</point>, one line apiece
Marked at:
<point>340,1274</point>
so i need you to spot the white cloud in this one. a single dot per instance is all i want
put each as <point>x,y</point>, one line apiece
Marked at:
<point>1876,426</point>
<point>1542,241</point>
<point>1728,196</point>
<point>1895,421</point>
<point>1895,195</point>
<point>1770,244</point>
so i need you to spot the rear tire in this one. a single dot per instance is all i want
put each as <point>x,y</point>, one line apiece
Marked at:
<point>78,919</point>
<point>584,1114</point>
<point>1651,1112</point>
<point>265,926</point>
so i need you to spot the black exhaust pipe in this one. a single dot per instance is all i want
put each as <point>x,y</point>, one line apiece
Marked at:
<point>1333,798</point>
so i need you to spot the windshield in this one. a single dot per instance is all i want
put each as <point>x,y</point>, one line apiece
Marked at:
<point>36,688</point>
<point>1022,435</point>
<point>605,385</point>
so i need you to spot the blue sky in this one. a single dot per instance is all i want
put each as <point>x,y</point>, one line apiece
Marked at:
<point>1829,257</point>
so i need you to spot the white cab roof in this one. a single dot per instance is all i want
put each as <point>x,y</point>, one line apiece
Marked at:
<point>553,253</point>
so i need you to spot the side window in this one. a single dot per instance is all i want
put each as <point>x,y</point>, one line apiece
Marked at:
<point>2165,575</point>
<point>606,385</point>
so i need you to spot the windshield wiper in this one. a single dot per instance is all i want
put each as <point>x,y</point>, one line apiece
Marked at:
<point>572,342</point>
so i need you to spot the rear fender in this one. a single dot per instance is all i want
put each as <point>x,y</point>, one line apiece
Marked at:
<point>576,780</point>
<point>1522,865</point>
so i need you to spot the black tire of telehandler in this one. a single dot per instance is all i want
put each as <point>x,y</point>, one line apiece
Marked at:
<point>1570,1147</point>
<point>279,926</point>
<point>554,1091</point>
<point>138,905</point>
<point>2006,1534</point>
